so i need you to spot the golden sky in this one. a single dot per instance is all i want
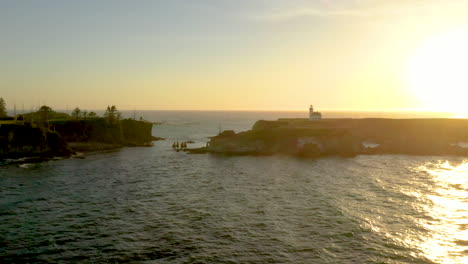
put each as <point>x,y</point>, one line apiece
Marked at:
<point>235,55</point>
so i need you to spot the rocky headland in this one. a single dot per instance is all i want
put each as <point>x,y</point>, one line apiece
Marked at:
<point>25,140</point>
<point>345,137</point>
<point>100,134</point>
<point>65,137</point>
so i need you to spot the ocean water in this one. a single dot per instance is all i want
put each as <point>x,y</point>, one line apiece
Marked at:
<point>155,205</point>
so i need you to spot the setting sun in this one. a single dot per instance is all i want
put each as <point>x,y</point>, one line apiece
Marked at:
<point>437,72</point>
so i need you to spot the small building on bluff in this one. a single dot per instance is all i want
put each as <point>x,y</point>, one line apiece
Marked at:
<point>314,115</point>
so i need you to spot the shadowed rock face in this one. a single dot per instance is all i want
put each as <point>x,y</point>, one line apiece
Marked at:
<point>26,141</point>
<point>345,137</point>
<point>136,133</point>
<point>125,133</point>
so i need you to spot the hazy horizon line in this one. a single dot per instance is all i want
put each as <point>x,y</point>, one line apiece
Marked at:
<point>249,110</point>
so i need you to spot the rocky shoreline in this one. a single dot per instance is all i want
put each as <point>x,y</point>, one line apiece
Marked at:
<point>344,137</point>
<point>28,143</point>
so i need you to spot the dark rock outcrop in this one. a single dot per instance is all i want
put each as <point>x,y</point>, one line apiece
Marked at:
<point>136,133</point>
<point>61,138</point>
<point>345,137</point>
<point>17,141</point>
<point>98,132</point>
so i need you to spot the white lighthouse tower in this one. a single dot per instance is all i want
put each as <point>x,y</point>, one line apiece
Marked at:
<point>314,115</point>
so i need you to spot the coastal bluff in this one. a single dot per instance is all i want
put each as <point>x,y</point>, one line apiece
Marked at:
<point>100,134</point>
<point>25,140</point>
<point>345,137</point>
<point>62,138</point>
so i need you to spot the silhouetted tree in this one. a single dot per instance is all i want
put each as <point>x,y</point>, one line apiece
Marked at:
<point>116,113</point>
<point>92,114</point>
<point>112,115</point>
<point>3,112</point>
<point>44,113</point>
<point>76,113</point>
<point>109,115</point>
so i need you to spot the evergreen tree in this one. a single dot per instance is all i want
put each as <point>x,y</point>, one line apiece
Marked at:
<point>109,115</point>
<point>76,113</point>
<point>44,113</point>
<point>3,112</point>
<point>112,115</point>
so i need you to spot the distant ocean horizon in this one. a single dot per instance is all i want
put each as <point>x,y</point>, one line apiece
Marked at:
<point>288,113</point>
<point>161,115</point>
<point>291,113</point>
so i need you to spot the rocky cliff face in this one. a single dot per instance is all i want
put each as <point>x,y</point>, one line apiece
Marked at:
<point>287,140</point>
<point>25,140</point>
<point>98,130</point>
<point>346,137</point>
<point>136,133</point>
<point>18,141</point>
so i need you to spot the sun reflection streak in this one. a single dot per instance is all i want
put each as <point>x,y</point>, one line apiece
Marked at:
<point>448,206</point>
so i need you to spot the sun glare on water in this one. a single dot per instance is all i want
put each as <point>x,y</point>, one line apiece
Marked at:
<point>447,239</point>
<point>438,72</point>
